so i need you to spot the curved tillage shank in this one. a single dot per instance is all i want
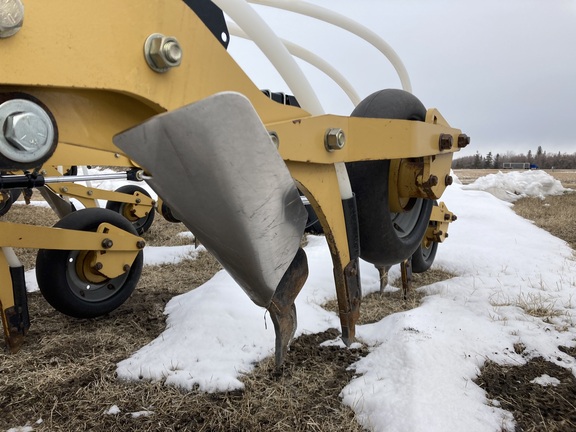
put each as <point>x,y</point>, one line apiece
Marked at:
<point>214,164</point>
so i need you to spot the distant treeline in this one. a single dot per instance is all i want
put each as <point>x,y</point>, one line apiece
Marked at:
<point>540,159</point>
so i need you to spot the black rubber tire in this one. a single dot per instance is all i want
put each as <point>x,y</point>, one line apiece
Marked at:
<point>313,225</point>
<point>424,257</point>
<point>386,238</point>
<point>66,290</point>
<point>141,224</point>
<point>167,214</point>
<point>13,195</point>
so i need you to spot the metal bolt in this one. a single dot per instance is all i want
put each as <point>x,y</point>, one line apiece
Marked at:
<point>446,217</point>
<point>463,140</point>
<point>64,189</point>
<point>98,266</point>
<point>334,139</point>
<point>162,52</point>
<point>454,217</point>
<point>140,244</point>
<point>25,131</point>
<point>107,243</point>
<point>274,138</point>
<point>445,142</point>
<point>172,51</point>
<point>448,180</point>
<point>11,17</point>
<point>138,200</point>
<point>126,267</point>
<point>432,180</point>
<point>446,235</point>
<point>90,192</point>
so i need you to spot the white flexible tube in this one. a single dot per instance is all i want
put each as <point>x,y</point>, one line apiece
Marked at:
<point>346,23</point>
<point>309,57</point>
<point>11,257</point>
<point>263,36</point>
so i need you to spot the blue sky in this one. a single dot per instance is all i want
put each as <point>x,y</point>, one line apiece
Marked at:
<point>502,71</point>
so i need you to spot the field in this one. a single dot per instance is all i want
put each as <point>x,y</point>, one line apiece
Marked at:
<point>63,377</point>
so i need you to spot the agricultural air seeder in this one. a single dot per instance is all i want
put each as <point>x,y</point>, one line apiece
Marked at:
<point>150,86</point>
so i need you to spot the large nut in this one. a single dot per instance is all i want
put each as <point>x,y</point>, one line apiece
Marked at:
<point>26,131</point>
<point>162,52</point>
<point>334,139</point>
<point>445,142</point>
<point>463,140</point>
<point>11,17</point>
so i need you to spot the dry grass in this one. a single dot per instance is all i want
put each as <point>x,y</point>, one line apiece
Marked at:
<point>378,305</point>
<point>536,407</point>
<point>555,214</point>
<point>65,372</point>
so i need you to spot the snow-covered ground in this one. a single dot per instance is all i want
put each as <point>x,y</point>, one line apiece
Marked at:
<point>422,362</point>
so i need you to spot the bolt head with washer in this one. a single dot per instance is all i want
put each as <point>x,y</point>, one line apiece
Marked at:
<point>162,52</point>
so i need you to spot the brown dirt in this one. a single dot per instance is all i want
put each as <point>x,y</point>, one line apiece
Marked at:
<point>65,372</point>
<point>536,407</point>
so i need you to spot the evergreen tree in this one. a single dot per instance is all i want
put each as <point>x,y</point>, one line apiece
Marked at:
<point>497,160</point>
<point>488,161</point>
<point>477,161</point>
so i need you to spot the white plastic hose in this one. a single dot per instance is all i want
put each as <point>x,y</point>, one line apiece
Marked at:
<point>11,257</point>
<point>263,36</point>
<point>309,57</point>
<point>346,23</point>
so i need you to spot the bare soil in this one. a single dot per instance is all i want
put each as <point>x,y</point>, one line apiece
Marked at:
<point>536,407</point>
<point>63,379</point>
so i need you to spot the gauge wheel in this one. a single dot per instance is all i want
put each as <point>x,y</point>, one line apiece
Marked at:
<point>64,278</point>
<point>386,238</point>
<point>424,257</point>
<point>141,224</point>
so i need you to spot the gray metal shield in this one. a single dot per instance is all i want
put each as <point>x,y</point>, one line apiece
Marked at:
<point>215,166</point>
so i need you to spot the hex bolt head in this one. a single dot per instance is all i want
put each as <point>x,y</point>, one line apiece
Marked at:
<point>126,268</point>
<point>334,139</point>
<point>463,140</point>
<point>162,52</point>
<point>445,142</point>
<point>432,180</point>
<point>275,139</point>
<point>11,17</point>
<point>140,244</point>
<point>448,180</point>
<point>98,266</point>
<point>107,243</point>
<point>454,217</point>
<point>25,131</point>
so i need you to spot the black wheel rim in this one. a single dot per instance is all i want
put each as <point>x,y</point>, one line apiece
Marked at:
<point>404,223</point>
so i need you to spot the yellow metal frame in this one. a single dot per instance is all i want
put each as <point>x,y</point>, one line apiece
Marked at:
<point>90,71</point>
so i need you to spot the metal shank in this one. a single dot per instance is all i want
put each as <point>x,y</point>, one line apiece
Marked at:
<point>215,165</point>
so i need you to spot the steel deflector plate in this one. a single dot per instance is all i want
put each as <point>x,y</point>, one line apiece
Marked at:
<point>214,164</point>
